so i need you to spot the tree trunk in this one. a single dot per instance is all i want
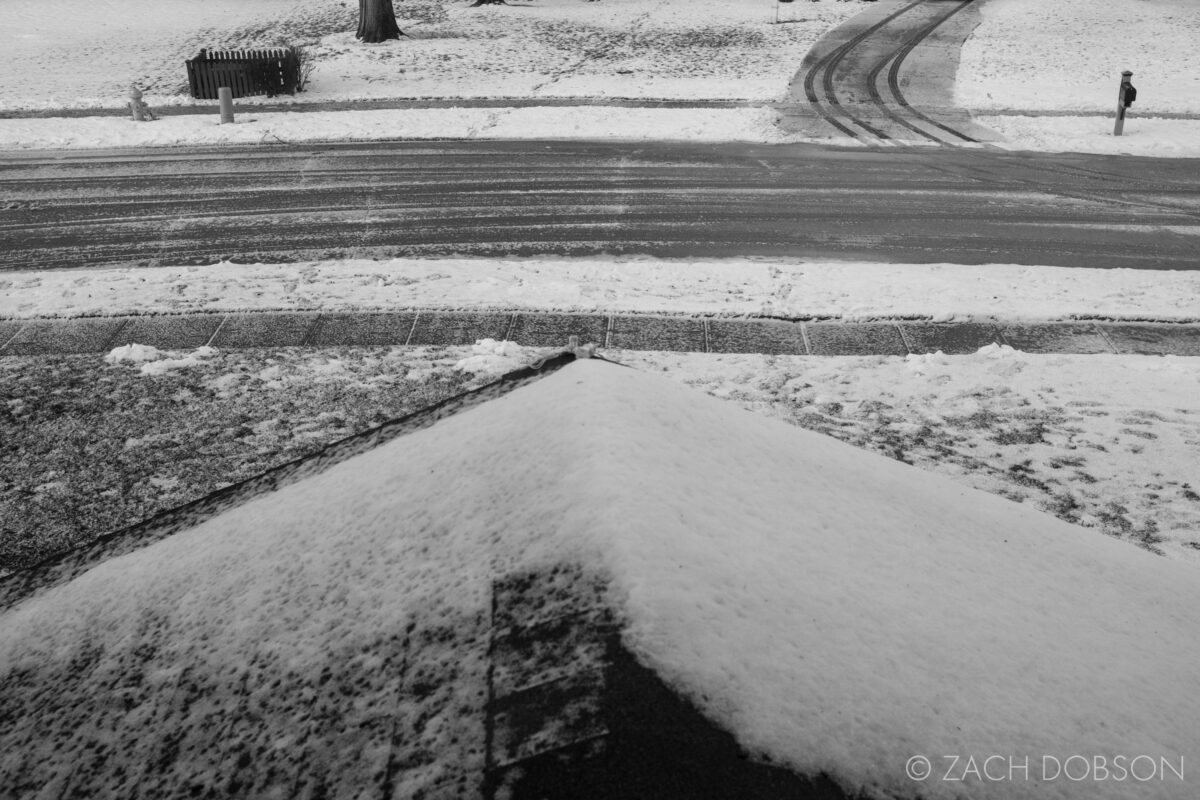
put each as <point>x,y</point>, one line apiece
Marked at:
<point>377,21</point>
<point>488,3</point>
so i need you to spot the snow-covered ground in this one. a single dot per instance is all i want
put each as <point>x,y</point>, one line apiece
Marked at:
<point>87,53</point>
<point>784,288</point>
<point>838,611</point>
<point>254,127</point>
<point>549,48</point>
<point>1143,136</point>
<point>1031,63</point>
<point>685,50</point>
<point>1068,55</point>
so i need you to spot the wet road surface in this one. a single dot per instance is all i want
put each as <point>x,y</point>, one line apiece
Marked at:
<point>283,203</point>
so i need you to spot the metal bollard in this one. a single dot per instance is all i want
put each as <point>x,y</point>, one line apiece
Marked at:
<point>1125,97</point>
<point>225,95</point>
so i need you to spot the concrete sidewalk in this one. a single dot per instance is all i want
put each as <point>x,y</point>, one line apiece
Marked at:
<point>264,105</point>
<point>612,331</point>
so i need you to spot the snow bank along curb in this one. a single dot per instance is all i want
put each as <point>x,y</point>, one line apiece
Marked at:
<point>780,288</point>
<point>754,124</point>
<point>1144,135</point>
<point>263,105</point>
<point>626,331</point>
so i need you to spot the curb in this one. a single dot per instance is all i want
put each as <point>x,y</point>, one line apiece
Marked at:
<point>426,327</point>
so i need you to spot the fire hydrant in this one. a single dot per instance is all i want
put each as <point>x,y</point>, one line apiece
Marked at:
<point>138,109</point>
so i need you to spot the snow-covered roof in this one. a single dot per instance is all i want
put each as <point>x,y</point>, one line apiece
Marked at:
<point>839,612</point>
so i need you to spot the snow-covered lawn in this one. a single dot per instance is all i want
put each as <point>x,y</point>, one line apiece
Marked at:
<point>670,49</point>
<point>548,48</point>
<point>87,53</point>
<point>1068,55</point>
<point>686,49</point>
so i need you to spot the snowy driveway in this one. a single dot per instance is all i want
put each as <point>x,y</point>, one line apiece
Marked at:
<point>887,75</point>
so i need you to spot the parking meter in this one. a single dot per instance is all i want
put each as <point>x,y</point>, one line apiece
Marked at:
<point>1126,94</point>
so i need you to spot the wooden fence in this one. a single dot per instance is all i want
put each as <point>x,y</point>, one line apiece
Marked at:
<point>246,72</point>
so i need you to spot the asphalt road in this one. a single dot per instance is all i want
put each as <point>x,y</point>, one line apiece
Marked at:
<point>284,202</point>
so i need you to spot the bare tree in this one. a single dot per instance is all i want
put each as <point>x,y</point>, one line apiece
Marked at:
<point>377,21</point>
